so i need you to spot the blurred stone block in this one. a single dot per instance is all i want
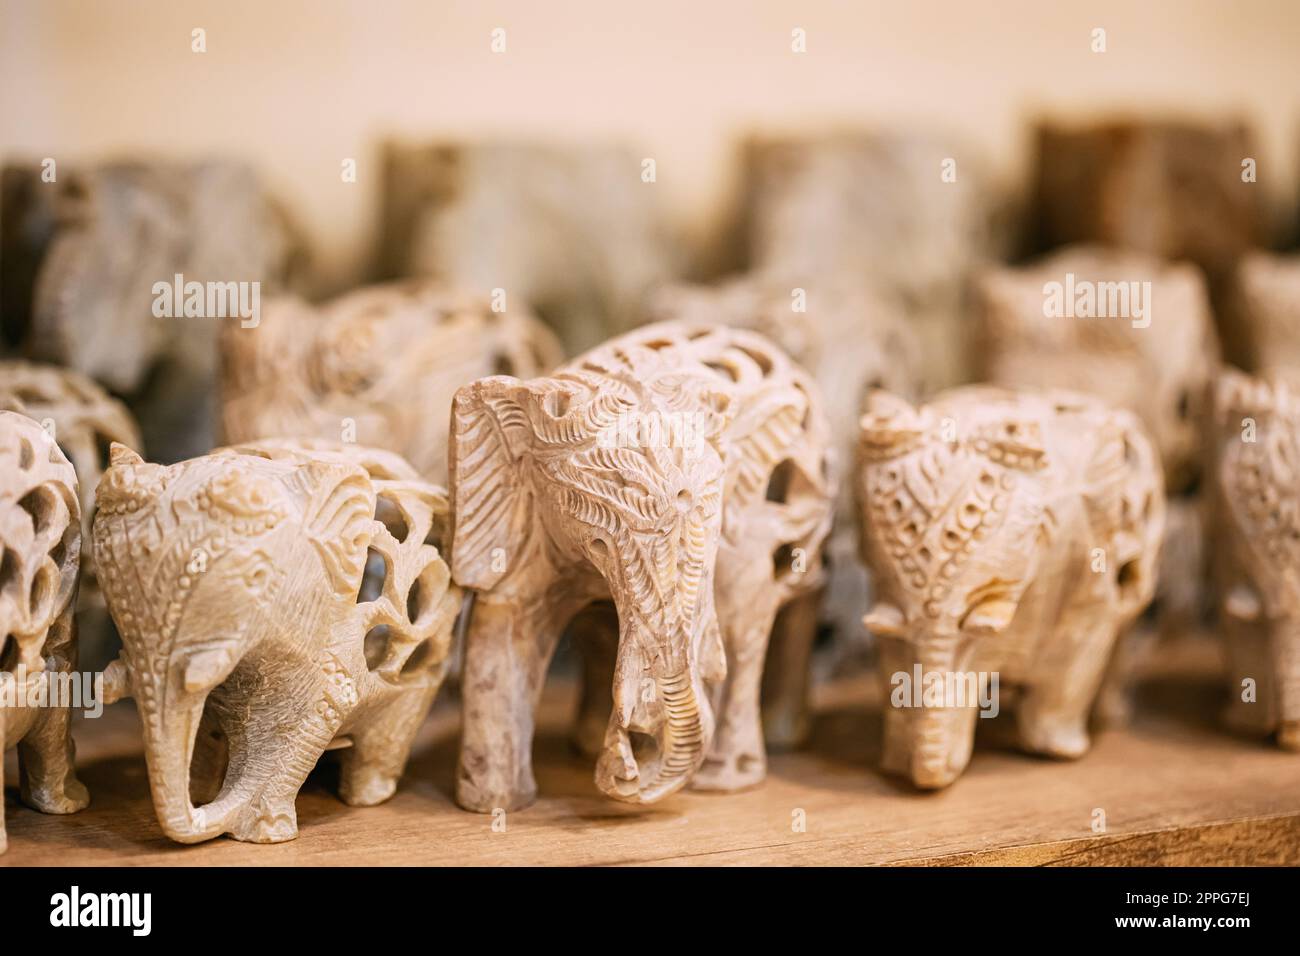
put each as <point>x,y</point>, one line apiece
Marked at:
<point>1172,189</point>
<point>1158,363</point>
<point>83,255</point>
<point>1267,315</point>
<point>572,232</point>
<point>909,215</point>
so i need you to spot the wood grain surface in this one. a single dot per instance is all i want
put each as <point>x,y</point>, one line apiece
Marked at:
<point>1175,787</point>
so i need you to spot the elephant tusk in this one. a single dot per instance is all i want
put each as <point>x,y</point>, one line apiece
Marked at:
<point>117,682</point>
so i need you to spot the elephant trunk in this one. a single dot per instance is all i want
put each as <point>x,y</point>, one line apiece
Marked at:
<point>926,740</point>
<point>169,749</point>
<point>643,768</point>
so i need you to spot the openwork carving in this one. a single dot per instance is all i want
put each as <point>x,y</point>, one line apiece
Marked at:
<point>84,420</point>
<point>1257,554</point>
<point>275,600</point>
<point>680,472</point>
<point>1009,533</point>
<point>382,361</point>
<point>40,550</point>
<point>851,341</point>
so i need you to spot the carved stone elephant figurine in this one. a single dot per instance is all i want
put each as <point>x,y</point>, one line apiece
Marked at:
<point>382,361</point>
<point>681,471</point>
<point>40,552</point>
<point>254,639</point>
<point>1257,557</point>
<point>1011,536</point>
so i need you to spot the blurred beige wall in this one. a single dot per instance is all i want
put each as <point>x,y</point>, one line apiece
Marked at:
<point>298,85</point>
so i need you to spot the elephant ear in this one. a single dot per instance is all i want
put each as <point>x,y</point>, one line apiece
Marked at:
<point>489,431</point>
<point>762,435</point>
<point>338,518</point>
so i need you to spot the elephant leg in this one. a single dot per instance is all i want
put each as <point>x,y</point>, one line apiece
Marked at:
<point>737,758</point>
<point>1053,714</point>
<point>275,736</point>
<point>595,636</point>
<point>370,768</point>
<point>47,764</point>
<point>507,650</point>
<point>1252,707</point>
<point>786,673</point>
<point>1286,663</point>
<point>268,812</point>
<point>1114,706</point>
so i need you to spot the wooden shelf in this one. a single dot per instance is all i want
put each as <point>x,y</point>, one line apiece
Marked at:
<point>1176,788</point>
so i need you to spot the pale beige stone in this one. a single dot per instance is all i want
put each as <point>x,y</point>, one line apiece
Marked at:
<point>275,600</point>
<point>1008,533</point>
<point>377,366</point>
<point>40,551</point>
<point>680,471</point>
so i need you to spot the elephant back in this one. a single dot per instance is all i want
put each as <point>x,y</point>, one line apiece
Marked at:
<point>381,362</point>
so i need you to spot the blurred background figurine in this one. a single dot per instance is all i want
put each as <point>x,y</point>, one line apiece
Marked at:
<point>1257,552</point>
<point>895,211</point>
<point>378,366</point>
<point>574,233</point>
<point>83,256</point>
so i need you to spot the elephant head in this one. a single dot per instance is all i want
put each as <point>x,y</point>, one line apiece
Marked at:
<point>952,533</point>
<point>607,479</point>
<point>237,583</point>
